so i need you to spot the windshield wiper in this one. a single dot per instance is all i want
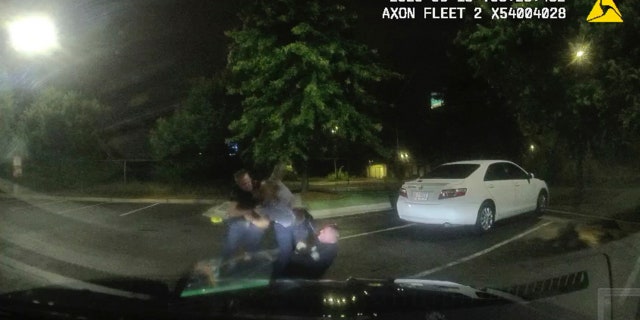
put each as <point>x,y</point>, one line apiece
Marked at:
<point>453,287</point>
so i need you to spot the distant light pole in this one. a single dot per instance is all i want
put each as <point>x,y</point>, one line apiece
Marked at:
<point>334,131</point>
<point>30,35</point>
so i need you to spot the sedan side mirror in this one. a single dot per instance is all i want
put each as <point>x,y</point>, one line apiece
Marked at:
<point>531,176</point>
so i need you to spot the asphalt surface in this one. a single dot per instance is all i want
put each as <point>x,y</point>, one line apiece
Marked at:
<point>137,248</point>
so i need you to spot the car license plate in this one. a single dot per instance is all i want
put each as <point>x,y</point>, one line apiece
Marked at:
<point>421,195</point>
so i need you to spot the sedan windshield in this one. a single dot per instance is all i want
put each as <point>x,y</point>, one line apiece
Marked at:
<point>452,171</point>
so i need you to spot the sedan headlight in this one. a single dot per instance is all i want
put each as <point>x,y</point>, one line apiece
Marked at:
<point>452,193</point>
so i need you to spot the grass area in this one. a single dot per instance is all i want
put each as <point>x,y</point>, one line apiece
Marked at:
<point>315,200</point>
<point>150,190</point>
<point>596,199</point>
<point>609,200</point>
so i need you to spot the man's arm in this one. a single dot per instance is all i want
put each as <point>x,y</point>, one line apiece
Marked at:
<point>248,214</point>
<point>233,211</point>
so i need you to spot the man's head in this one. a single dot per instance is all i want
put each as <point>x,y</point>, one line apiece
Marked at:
<point>269,191</point>
<point>329,234</point>
<point>243,180</point>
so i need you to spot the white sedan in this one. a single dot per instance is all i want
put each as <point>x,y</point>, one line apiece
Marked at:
<point>476,193</point>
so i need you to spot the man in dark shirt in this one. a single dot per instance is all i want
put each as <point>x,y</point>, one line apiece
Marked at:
<point>245,228</point>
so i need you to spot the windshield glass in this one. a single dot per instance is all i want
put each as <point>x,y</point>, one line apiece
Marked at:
<point>186,149</point>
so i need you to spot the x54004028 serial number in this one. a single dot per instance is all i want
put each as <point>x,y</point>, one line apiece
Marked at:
<point>525,13</point>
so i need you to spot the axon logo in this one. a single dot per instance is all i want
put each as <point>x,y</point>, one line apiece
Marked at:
<point>604,11</point>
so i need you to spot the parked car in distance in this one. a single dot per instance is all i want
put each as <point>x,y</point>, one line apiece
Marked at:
<point>472,193</point>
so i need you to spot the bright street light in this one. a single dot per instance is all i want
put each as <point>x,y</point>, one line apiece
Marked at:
<point>580,55</point>
<point>35,34</point>
<point>580,52</point>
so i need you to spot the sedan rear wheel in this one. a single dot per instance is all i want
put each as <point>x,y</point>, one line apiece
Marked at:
<point>486,217</point>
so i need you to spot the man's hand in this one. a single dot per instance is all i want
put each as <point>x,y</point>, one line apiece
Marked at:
<point>234,212</point>
<point>258,220</point>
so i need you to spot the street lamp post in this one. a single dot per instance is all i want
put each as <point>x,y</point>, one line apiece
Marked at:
<point>334,132</point>
<point>30,35</point>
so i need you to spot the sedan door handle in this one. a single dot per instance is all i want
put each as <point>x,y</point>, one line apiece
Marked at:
<point>490,186</point>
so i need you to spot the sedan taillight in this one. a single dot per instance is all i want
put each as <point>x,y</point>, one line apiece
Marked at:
<point>452,193</point>
<point>403,192</point>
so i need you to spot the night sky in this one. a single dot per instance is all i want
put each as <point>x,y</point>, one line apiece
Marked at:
<point>120,50</point>
<point>137,56</point>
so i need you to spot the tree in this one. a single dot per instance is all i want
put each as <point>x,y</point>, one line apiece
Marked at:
<point>59,132</point>
<point>8,139</point>
<point>62,125</point>
<point>562,100</point>
<point>191,143</point>
<point>619,53</point>
<point>7,122</point>
<point>12,104</point>
<point>303,80</point>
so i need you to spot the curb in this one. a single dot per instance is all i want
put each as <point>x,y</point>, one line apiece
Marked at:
<point>14,190</point>
<point>220,210</point>
<point>351,210</point>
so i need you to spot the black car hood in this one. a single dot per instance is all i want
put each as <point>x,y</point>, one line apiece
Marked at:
<point>256,297</point>
<point>291,299</point>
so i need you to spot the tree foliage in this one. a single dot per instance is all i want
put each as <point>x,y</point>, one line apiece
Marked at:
<point>7,124</point>
<point>581,105</point>
<point>61,125</point>
<point>304,81</point>
<point>56,133</point>
<point>193,138</point>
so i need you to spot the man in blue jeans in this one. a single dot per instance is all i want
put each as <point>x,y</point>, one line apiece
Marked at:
<point>245,228</point>
<point>277,205</point>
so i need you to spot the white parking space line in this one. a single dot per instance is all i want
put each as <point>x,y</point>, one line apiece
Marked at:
<point>81,208</point>
<point>48,202</point>
<point>8,199</point>
<point>480,253</point>
<point>147,207</point>
<point>377,231</point>
<point>33,204</point>
<point>55,278</point>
